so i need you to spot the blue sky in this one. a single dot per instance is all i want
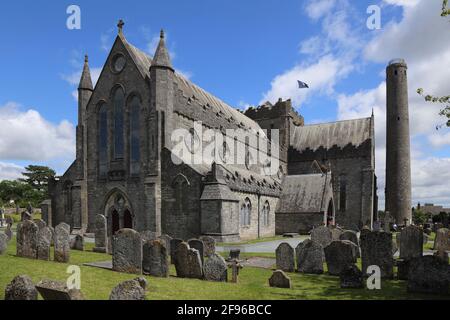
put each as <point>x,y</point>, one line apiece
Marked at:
<point>244,52</point>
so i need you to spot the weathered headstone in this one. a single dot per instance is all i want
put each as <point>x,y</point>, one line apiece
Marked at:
<point>148,236</point>
<point>339,255</point>
<point>321,235</point>
<point>355,249</point>
<point>128,290</point>
<point>335,233</point>
<point>166,239</point>
<point>209,245</point>
<point>402,269</point>
<point>365,230</point>
<point>351,278</point>
<point>443,255</point>
<point>44,241</point>
<point>376,249</point>
<point>101,237</point>
<point>411,242</point>
<point>285,257</point>
<point>188,263</point>
<point>62,243</point>
<point>56,291</point>
<point>40,223</point>
<point>442,241</point>
<point>77,243</point>
<point>27,236</point>
<point>215,268</point>
<point>127,251</point>
<point>9,233</point>
<point>143,282</point>
<point>387,222</point>
<point>235,268</point>
<point>280,279</point>
<point>310,257</point>
<point>199,245</point>
<point>235,254</point>
<point>173,248</point>
<point>350,235</point>
<point>21,288</point>
<point>155,260</point>
<point>428,274</point>
<point>3,243</point>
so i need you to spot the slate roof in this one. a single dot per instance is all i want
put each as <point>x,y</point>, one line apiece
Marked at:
<point>303,193</point>
<point>326,135</point>
<point>218,191</point>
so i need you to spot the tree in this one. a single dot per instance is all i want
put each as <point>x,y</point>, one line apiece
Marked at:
<point>419,217</point>
<point>21,193</point>
<point>38,177</point>
<point>444,100</point>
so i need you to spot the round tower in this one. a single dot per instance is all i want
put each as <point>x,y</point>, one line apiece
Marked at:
<point>398,152</point>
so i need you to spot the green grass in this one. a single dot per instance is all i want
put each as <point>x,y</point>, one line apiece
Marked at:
<point>96,284</point>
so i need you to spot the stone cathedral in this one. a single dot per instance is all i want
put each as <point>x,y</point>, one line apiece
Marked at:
<point>124,166</point>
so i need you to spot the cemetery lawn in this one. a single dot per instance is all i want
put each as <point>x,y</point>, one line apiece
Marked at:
<point>96,284</point>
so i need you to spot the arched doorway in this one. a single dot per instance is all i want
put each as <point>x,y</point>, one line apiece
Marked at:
<point>330,213</point>
<point>127,220</point>
<point>115,222</point>
<point>119,212</point>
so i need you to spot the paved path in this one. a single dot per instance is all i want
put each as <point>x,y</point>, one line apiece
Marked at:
<point>263,247</point>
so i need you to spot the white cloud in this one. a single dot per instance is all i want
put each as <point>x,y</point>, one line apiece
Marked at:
<point>26,135</point>
<point>10,171</point>
<point>404,3</point>
<point>317,9</point>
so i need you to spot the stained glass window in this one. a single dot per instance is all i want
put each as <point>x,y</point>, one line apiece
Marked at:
<point>103,139</point>
<point>118,124</point>
<point>135,152</point>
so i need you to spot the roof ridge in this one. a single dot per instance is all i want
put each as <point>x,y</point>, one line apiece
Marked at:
<point>333,122</point>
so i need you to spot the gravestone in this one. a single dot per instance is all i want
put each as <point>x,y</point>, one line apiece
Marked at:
<point>234,254</point>
<point>199,245</point>
<point>9,233</point>
<point>127,251</point>
<point>310,257</point>
<point>430,275</point>
<point>57,291</point>
<point>27,236</point>
<point>339,255</point>
<point>335,233</point>
<point>166,239</point>
<point>411,242</point>
<point>442,241</point>
<point>387,222</point>
<point>155,258</point>
<point>209,245</point>
<point>44,241</point>
<point>402,269</point>
<point>350,235</point>
<point>280,279</point>
<point>148,236</point>
<point>376,249</point>
<point>143,282</point>
<point>128,290</point>
<point>101,238</point>
<point>285,257</point>
<point>321,235</point>
<point>215,268</point>
<point>21,288</point>
<point>77,243</point>
<point>355,249</point>
<point>3,243</point>
<point>62,243</point>
<point>443,255</point>
<point>173,248</point>
<point>351,278</point>
<point>40,223</point>
<point>188,263</point>
<point>365,230</point>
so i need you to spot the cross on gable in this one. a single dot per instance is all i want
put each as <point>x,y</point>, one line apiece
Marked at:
<point>120,25</point>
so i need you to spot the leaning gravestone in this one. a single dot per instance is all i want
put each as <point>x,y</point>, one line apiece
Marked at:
<point>127,251</point>
<point>442,241</point>
<point>215,268</point>
<point>350,235</point>
<point>44,241</point>
<point>321,235</point>
<point>209,245</point>
<point>200,246</point>
<point>351,278</point>
<point>128,290</point>
<point>62,243</point>
<point>285,257</point>
<point>188,263</point>
<point>429,274</point>
<point>310,257</point>
<point>280,279</point>
<point>21,288</point>
<point>376,249</point>
<point>155,258</point>
<point>77,243</point>
<point>173,248</point>
<point>3,243</point>
<point>339,256</point>
<point>27,236</point>
<point>101,238</point>
<point>411,242</point>
<point>57,291</point>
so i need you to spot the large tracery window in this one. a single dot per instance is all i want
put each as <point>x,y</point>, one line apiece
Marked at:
<point>118,99</point>
<point>246,211</point>
<point>103,139</point>
<point>135,152</point>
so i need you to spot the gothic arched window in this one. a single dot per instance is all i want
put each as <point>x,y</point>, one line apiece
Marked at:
<point>118,98</point>
<point>135,152</point>
<point>342,193</point>
<point>266,214</point>
<point>103,139</point>
<point>246,211</point>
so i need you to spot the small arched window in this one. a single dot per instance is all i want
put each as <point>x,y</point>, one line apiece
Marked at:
<point>342,193</point>
<point>103,139</point>
<point>118,99</point>
<point>135,152</point>
<point>246,211</point>
<point>266,214</point>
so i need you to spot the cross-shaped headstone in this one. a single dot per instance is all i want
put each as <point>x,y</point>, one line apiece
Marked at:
<point>120,25</point>
<point>235,267</point>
